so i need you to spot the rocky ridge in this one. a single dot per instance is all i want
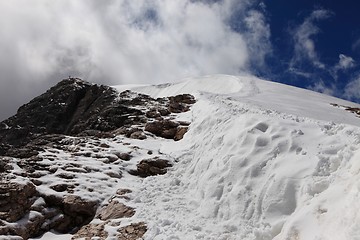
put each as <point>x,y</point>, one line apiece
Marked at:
<point>64,154</point>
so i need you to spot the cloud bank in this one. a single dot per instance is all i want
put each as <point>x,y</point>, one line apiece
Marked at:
<point>124,41</point>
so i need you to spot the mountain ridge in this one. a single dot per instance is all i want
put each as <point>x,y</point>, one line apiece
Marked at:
<point>225,158</point>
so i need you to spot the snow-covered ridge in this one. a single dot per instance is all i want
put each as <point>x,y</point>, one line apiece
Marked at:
<point>258,92</point>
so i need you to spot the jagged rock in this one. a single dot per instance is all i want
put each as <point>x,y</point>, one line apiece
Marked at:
<point>115,210</point>
<point>132,232</point>
<point>91,231</point>
<point>164,128</point>
<point>180,133</point>
<point>151,167</point>
<point>15,199</point>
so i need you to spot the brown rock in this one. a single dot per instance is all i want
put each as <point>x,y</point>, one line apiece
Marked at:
<point>91,231</point>
<point>77,212</point>
<point>180,132</point>
<point>164,128</point>
<point>15,200</point>
<point>132,232</point>
<point>151,167</point>
<point>115,210</point>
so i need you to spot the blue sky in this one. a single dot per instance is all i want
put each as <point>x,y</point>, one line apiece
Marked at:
<point>309,44</point>
<point>332,63</point>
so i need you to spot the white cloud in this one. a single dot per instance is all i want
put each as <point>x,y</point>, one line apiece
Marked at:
<point>303,36</point>
<point>345,62</point>
<point>352,89</point>
<point>125,41</point>
<point>257,36</point>
<point>320,87</point>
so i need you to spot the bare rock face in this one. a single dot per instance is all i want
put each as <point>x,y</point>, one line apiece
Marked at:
<point>115,210</point>
<point>151,167</point>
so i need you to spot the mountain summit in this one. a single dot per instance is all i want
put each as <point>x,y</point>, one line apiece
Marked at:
<point>217,157</point>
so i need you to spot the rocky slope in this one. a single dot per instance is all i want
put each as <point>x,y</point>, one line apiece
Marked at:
<point>64,153</point>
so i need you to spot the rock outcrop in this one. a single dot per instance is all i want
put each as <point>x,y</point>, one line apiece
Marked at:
<point>46,147</point>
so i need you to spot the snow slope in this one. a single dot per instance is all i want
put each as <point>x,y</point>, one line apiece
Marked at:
<point>260,161</point>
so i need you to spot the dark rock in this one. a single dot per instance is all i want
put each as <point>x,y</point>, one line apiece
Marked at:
<point>21,152</point>
<point>104,145</point>
<point>60,187</point>
<point>5,164</point>
<point>153,113</point>
<point>164,112</point>
<point>151,167</point>
<point>124,156</point>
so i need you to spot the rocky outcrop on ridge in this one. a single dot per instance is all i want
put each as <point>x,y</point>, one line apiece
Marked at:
<point>63,154</point>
